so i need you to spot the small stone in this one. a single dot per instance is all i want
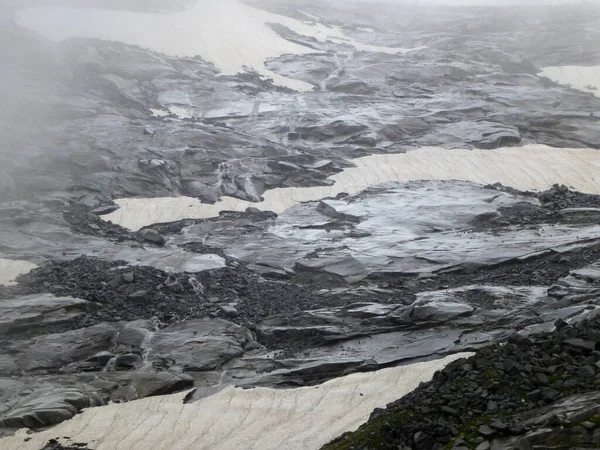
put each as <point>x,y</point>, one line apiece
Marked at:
<point>516,428</point>
<point>560,324</point>
<point>548,395</point>
<point>139,295</point>
<point>492,406</point>
<point>581,343</point>
<point>486,431</point>
<point>542,379</point>
<point>228,310</point>
<point>483,446</point>
<point>499,425</point>
<point>151,236</point>
<point>115,282</point>
<point>570,383</point>
<point>586,372</point>
<point>451,411</point>
<point>103,210</point>
<point>101,358</point>
<point>127,361</point>
<point>128,277</point>
<point>509,364</point>
<point>253,346</point>
<point>588,425</point>
<point>422,440</point>
<point>174,286</point>
<point>556,420</point>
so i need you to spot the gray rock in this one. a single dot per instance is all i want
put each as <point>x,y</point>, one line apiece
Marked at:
<point>542,379</point>
<point>128,277</point>
<point>148,384</point>
<point>199,345</point>
<point>49,406</point>
<point>152,236</point>
<point>581,215</point>
<point>581,343</point>
<point>103,210</point>
<point>330,211</point>
<point>486,431</point>
<point>37,311</point>
<point>139,296</point>
<point>200,190</point>
<point>116,281</point>
<point>549,395</point>
<point>101,358</point>
<point>347,267</point>
<point>498,424</point>
<point>427,309</point>
<point>228,310</point>
<point>127,362</point>
<point>422,440</point>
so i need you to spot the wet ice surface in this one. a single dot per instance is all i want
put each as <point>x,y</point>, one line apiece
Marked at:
<point>434,232</point>
<point>233,36</point>
<point>259,418</point>
<point>55,241</point>
<point>533,167</point>
<point>169,260</point>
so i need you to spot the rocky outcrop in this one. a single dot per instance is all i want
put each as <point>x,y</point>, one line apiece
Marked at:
<point>34,313</point>
<point>48,406</point>
<point>117,362</point>
<point>538,393</point>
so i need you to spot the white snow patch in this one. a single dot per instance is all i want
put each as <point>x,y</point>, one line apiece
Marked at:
<point>159,112</point>
<point>10,269</point>
<point>585,78</point>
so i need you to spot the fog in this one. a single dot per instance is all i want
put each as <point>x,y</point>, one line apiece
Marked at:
<point>177,4</point>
